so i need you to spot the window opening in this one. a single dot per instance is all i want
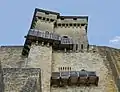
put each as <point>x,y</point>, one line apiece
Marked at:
<point>82,24</point>
<point>81,46</point>
<point>43,18</point>
<point>70,24</point>
<point>74,18</point>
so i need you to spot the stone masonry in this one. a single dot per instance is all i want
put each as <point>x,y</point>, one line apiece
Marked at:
<point>28,68</point>
<point>77,61</point>
<point>41,57</point>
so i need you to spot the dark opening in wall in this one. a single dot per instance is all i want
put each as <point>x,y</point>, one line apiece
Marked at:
<point>66,24</point>
<point>76,46</point>
<point>62,18</point>
<point>86,28</point>
<point>55,24</point>
<point>65,36</point>
<point>74,18</point>
<point>88,47</point>
<point>59,24</point>
<point>70,24</point>
<point>51,20</point>
<point>63,24</point>
<point>78,24</point>
<point>39,17</point>
<point>43,18</point>
<point>47,19</point>
<point>81,46</point>
<point>74,24</point>
<point>82,24</point>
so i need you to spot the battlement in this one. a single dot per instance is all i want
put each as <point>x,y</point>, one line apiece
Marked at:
<point>72,21</point>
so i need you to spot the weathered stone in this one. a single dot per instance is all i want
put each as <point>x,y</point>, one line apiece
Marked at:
<point>16,78</point>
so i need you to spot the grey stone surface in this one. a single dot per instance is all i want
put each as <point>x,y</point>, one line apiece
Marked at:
<point>1,79</point>
<point>10,56</point>
<point>41,57</point>
<point>21,74</point>
<point>64,26</point>
<point>16,79</point>
<point>77,61</point>
<point>30,85</point>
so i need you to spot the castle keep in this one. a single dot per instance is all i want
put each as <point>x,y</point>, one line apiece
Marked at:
<point>62,32</point>
<point>56,57</point>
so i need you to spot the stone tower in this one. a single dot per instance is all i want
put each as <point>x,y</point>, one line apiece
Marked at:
<point>74,27</point>
<point>57,44</point>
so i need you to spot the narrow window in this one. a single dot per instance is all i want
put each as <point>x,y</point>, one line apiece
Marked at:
<point>47,19</point>
<point>74,24</point>
<point>76,46</point>
<point>51,20</point>
<point>78,25</point>
<point>43,18</point>
<point>81,46</point>
<point>88,47</point>
<point>65,36</point>
<point>59,24</point>
<point>63,24</point>
<point>70,24</point>
<point>55,24</point>
<point>39,17</point>
<point>86,28</point>
<point>62,18</point>
<point>82,24</point>
<point>74,18</point>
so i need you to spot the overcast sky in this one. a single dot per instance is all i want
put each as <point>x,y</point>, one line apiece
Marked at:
<point>103,26</point>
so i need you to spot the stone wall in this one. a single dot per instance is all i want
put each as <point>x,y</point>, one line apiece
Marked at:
<point>74,29</point>
<point>16,79</point>
<point>11,56</point>
<point>112,61</point>
<point>73,26</point>
<point>1,79</point>
<point>41,57</point>
<point>88,61</point>
<point>45,22</point>
<point>30,85</point>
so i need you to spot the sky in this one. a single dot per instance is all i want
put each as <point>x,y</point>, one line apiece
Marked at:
<point>103,22</point>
